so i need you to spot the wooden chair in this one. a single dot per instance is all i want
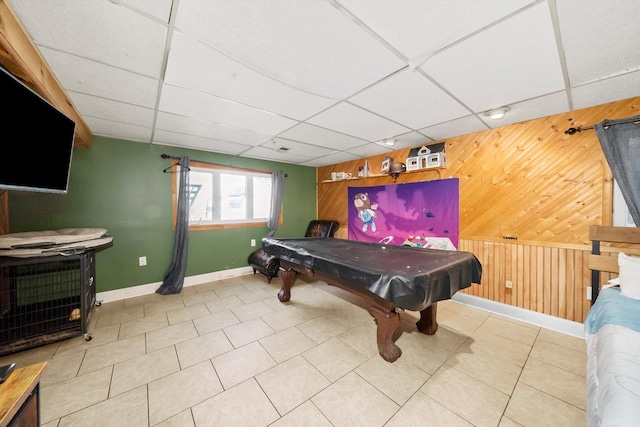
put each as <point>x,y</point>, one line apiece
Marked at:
<point>269,265</point>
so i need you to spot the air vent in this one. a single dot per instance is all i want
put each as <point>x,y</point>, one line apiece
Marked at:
<point>283,149</point>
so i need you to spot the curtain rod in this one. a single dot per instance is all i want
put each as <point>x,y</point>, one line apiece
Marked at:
<point>571,131</point>
<point>168,156</point>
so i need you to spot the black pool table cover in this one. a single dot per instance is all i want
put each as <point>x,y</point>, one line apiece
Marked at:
<point>411,278</point>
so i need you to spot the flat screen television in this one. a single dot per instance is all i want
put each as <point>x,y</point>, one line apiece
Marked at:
<point>38,154</point>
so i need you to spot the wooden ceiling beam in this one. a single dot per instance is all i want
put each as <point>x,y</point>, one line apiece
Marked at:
<point>20,56</point>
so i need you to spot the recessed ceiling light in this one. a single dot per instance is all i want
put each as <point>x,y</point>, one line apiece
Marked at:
<point>498,113</point>
<point>391,142</point>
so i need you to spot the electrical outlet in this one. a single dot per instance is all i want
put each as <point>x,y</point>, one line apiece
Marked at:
<point>589,293</point>
<point>142,261</point>
<point>509,284</point>
<point>253,242</point>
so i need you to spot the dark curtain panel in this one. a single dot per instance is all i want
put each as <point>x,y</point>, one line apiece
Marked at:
<point>174,279</point>
<point>620,141</point>
<point>277,194</point>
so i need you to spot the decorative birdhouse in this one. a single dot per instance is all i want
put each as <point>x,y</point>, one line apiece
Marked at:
<point>436,160</point>
<point>417,158</point>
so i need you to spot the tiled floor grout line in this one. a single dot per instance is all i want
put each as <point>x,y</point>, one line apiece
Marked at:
<point>150,307</point>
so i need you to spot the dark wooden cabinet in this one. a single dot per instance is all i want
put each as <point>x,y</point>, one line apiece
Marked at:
<point>20,397</point>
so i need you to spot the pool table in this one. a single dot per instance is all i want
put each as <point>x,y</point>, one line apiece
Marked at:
<point>389,278</point>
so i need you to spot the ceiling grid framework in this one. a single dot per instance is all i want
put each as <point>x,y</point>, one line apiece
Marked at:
<point>320,82</point>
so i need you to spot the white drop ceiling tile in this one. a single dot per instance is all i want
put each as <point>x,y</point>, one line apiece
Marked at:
<point>410,99</point>
<point>160,9</point>
<point>349,119</point>
<point>331,159</point>
<point>383,144</point>
<point>297,148</point>
<point>461,126</point>
<point>93,78</point>
<point>211,108</point>
<point>411,139</point>
<point>277,156</point>
<point>503,64</point>
<point>193,65</point>
<point>418,28</point>
<point>312,46</point>
<point>548,105</point>
<point>607,90</point>
<point>118,130</point>
<point>195,127</point>
<point>93,106</point>
<point>100,30</point>
<point>197,142</point>
<point>370,149</point>
<point>272,60</point>
<point>404,142</point>
<point>592,35</point>
<point>310,134</point>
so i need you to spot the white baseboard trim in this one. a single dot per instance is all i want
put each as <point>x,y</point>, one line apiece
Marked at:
<point>149,288</point>
<point>557,324</point>
<point>539,319</point>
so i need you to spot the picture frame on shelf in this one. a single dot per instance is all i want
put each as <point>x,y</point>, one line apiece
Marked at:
<point>386,164</point>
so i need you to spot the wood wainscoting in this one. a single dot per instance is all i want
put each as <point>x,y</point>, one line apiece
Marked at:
<point>549,279</point>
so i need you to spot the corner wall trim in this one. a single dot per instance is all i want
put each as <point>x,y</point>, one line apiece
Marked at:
<point>557,324</point>
<point>149,288</point>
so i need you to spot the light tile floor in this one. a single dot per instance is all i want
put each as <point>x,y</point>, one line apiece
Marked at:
<point>228,353</point>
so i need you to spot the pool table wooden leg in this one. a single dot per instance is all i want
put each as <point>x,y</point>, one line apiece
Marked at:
<point>288,276</point>
<point>427,323</point>
<point>388,323</point>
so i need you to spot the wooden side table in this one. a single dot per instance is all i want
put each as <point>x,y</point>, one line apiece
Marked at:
<point>20,397</point>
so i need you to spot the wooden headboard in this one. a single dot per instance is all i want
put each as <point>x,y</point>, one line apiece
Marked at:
<point>606,263</point>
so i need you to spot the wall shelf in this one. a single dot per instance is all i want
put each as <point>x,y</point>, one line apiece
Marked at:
<point>380,175</point>
<point>354,178</point>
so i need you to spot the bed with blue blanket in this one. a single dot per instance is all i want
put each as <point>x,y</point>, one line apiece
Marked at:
<point>612,332</point>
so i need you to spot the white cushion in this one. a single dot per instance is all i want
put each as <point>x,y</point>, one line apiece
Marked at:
<point>629,267</point>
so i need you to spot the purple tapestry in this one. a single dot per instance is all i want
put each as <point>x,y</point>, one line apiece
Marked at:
<point>421,214</point>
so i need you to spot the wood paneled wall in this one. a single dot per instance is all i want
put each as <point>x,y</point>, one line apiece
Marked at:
<point>528,193</point>
<point>548,279</point>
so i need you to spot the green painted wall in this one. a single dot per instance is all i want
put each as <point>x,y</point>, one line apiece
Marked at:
<point>120,186</point>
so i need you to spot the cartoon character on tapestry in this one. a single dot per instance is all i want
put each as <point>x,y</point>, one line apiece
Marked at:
<point>366,211</point>
<point>420,214</point>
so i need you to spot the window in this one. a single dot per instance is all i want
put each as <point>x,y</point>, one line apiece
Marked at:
<point>621,215</point>
<point>223,197</point>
